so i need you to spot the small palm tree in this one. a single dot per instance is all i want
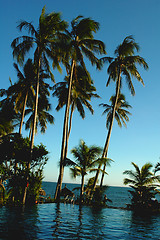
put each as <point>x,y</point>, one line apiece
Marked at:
<point>143,182</point>
<point>121,116</point>
<point>86,158</point>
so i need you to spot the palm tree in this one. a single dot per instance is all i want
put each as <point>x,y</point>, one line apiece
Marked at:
<point>45,40</point>
<point>121,116</point>
<point>44,37</point>
<point>143,182</point>
<point>157,168</point>
<point>8,117</point>
<point>124,64</point>
<point>81,93</point>
<point>20,91</point>
<point>80,42</point>
<point>6,123</point>
<point>43,116</point>
<point>85,160</point>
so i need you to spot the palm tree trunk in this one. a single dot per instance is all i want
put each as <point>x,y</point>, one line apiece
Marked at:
<point>34,128</point>
<point>69,130</point>
<point>105,150</point>
<point>104,168</point>
<point>82,188</point>
<point>35,110</point>
<point>65,130</point>
<point>30,133</point>
<point>23,112</point>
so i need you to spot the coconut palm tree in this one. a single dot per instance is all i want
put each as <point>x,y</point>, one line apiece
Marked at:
<point>8,117</point>
<point>44,39</point>
<point>82,92</point>
<point>86,159</point>
<point>6,123</point>
<point>123,66</point>
<point>20,91</point>
<point>121,116</point>
<point>80,42</point>
<point>43,116</point>
<point>143,182</point>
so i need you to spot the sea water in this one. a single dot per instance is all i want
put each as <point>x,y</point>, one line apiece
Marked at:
<point>68,221</point>
<point>119,196</point>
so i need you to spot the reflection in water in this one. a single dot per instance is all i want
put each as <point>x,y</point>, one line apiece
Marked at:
<point>53,221</point>
<point>144,225</point>
<point>80,222</point>
<point>18,223</point>
<point>98,222</point>
<point>56,220</point>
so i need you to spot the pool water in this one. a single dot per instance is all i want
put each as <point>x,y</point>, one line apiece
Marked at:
<point>67,221</point>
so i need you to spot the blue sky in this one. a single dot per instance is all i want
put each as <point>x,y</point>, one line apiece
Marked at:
<point>118,18</point>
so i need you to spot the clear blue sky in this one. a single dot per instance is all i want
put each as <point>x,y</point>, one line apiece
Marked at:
<point>118,18</point>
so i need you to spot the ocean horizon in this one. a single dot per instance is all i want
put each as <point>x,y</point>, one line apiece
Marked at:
<point>119,195</point>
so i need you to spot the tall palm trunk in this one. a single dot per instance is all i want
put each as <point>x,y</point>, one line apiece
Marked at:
<point>69,130</point>
<point>34,128</point>
<point>65,130</point>
<point>36,108</point>
<point>30,133</point>
<point>105,150</point>
<point>23,112</point>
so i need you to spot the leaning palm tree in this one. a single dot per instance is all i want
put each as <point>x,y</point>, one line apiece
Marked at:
<point>121,116</point>
<point>44,39</point>
<point>124,65</point>
<point>143,182</point>
<point>86,159</point>
<point>80,42</point>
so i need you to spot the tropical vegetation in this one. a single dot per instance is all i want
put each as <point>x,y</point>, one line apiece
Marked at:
<point>14,154</point>
<point>144,183</point>
<point>86,159</point>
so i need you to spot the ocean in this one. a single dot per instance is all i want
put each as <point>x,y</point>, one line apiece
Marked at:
<point>68,221</point>
<point>119,195</point>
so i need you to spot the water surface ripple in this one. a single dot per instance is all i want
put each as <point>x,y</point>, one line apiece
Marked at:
<point>65,221</point>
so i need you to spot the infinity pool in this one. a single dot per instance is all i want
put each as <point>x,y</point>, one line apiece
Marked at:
<point>52,221</point>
